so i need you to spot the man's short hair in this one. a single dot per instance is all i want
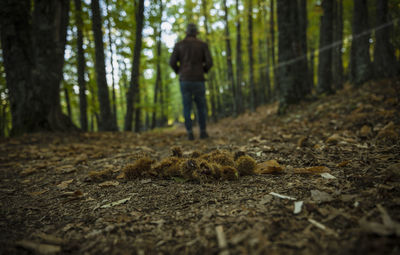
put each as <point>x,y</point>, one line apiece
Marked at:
<point>191,29</point>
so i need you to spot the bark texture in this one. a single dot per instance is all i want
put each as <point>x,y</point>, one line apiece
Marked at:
<point>360,62</point>
<point>325,49</point>
<point>385,64</point>
<point>133,91</point>
<point>33,51</point>
<point>107,122</point>
<point>81,66</point>
<point>229,64</point>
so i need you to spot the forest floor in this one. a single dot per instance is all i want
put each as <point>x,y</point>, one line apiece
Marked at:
<point>52,203</point>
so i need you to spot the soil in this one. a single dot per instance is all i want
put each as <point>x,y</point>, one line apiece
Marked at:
<point>52,204</point>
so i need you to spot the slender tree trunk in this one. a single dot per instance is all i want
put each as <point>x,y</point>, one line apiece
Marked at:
<point>312,67</point>
<point>231,79</point>
<point>272,30</point>
<point>110,44</point>
<point>239,62</point>
<point>134,89</point>
<point>107,122</point>
<point>360,62</point>
<point>250,45</point>
<point>337,63</point>
<point>287,25</point>
<point>303,77</point>
<point>384,58</point>
<point>211,76</point>
<point>157,85</point>
<point>81,66</point>
<point>268,52</point>
<point>325,49</point>
<point>263,81</point>
<point>33,53</point>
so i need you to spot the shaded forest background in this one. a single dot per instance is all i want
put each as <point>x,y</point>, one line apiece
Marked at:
<point>103,65</point>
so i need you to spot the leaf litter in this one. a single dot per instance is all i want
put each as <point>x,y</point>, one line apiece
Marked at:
<point>115,193</point>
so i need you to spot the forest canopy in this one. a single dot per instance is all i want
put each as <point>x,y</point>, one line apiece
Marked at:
<point>102,65</point>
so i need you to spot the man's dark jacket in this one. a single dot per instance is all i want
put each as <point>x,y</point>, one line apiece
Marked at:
<point>190,59</point>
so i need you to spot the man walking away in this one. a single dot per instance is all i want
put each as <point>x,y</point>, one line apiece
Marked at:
<point>190,59</point>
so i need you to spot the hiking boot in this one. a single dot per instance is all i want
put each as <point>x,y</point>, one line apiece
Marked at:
<point>203,135</point>
<point>190,136</point>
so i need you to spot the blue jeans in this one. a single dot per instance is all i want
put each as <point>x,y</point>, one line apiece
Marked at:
<point>194,90</point>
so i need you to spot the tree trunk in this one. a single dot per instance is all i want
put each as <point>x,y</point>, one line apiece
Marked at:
<point>253,96</point>
<point>239,63</point>
<point>286,54</point>
<point>211,76</point>
<point>312,67</point>
<point>157,85</point>
<point>360,62</point>
<point>231,79</point>
<point>133,91</point>
<point>33,55</point>
<point>107,122</point>
<point>303,76</point>
<point>81,66</point>
<point>337,63</point>
<point>325,49</point>
<point>384,58</point>
<point>273,62</point>
<point>110,44</point>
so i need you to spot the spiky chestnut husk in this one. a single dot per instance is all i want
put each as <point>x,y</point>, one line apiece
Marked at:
<point>223,158</point>
<point>229,173</point>
<point>168,167</point>
<point>177,152</point>
<point>187,167</point>
<point>204,172</point>
<point>238,154</point>
<point>195,154</point>
<point>139,168</point>
<point>246,165</point>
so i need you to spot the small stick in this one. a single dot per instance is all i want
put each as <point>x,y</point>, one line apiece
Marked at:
<point>222,243</point>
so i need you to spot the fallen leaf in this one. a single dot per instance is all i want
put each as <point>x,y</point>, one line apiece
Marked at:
<point>121,176</point>
<point>38,193</point>
<point>343,163</point>
<point>328,176</point>
<point>333,139</point>
<point>64,184</point>
<point>76,193</point>
<point>66,169</point>
<point>28,171</point>
<point>269,167</point>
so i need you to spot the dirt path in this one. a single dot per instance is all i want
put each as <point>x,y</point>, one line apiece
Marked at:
<point>50,204</point>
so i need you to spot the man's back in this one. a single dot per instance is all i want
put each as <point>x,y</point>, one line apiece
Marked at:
<point>194,59</point>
